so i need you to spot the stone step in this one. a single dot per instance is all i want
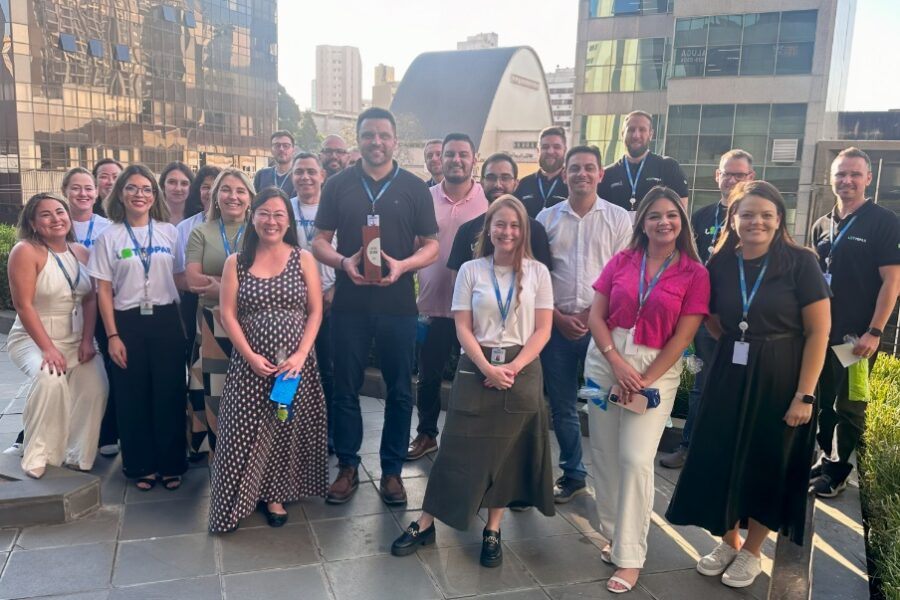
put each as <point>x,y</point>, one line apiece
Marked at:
<point>60,496</point>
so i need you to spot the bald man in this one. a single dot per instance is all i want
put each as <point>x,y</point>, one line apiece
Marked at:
<point>333,155</point>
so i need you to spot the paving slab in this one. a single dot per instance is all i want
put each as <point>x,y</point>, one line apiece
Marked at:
<point>7,539</point>
<point>198,588</point>
<point>561,559</point>
<point>532,594</point>
<point>385,577</point>
<point>101,526</point>
<point>691,585</point>
<point>282,584</point>
<point>366,501</point>
<point>54,571</point>
<point>355,537</point>
<point>164,559</point>
<point>596,590</point>
<point>159,519</point>
<point>267,548</point>
<point>458,572</point>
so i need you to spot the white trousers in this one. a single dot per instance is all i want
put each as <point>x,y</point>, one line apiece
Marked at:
<point>62,413</point>
<point>623,446</point>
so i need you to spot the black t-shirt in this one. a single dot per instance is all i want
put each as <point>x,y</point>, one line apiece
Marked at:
<point>405,211</point>
<point>529,192</point>
<point>658,170</point>
<point>872,241</point>
<point>707,224</point>
<point>776,308</point>
<point>463,248</point>
<point>266,177</point>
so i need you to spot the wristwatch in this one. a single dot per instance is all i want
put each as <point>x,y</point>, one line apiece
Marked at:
<point>806,398</point>
<point>874,331</point>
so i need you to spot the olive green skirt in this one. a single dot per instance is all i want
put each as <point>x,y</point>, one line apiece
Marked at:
<point>495,448</point>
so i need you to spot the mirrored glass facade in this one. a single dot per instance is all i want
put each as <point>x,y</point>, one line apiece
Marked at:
<point>627,8</point>
<point>604,131</point>
<point>627,65</point>
<point>189,80</point>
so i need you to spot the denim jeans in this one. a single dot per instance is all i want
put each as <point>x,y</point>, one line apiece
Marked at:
<point>704,345</point>
<point>433,357</point>
<point>325,358</point>
<point>559,360</point>
<point>395,340</point>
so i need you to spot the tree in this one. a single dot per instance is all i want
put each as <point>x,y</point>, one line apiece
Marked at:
<point>308,137</point>
<point>288,111</point>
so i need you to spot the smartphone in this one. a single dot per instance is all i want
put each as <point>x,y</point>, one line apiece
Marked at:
<point>637,402</point>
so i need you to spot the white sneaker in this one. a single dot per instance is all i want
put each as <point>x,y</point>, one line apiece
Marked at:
<point>15,448</point>
<point>716,561</point>
<point>743,570</point>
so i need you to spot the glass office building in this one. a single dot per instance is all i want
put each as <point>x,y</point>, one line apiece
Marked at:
<point>767,76</point>
<point>138,81</point>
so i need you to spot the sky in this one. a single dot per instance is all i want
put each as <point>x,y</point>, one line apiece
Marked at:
<point>394,32</point>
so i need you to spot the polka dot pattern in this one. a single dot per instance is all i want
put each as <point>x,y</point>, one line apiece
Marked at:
<point>258,457</point>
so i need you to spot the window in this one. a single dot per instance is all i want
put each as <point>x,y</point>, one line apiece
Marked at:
<point>190,19</point>
<point>603,131</point>
<point>67,42</point>
<point>168,13</point>
<point>121,53</point>
<point>628,65</point>
<point>754,44</point>
<point>95,48</point>
<point>624,8</point>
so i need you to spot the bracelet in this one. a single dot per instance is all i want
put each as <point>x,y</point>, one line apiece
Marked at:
<point>606,349</point>
<point>110,336</point>
<point>342,264</point>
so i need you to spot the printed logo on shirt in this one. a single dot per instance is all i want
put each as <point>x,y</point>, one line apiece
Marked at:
<point>856,239</point>
<point>617,184</point>
<point>654,180</point>
<point>126,253</point>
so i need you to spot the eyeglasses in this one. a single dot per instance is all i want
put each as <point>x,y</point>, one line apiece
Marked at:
<point>264,215</point>
<point>735,176</point>
<point>138,191</point>
<point>505,178</point>
<point>282,146</point>
<point>333,151</point>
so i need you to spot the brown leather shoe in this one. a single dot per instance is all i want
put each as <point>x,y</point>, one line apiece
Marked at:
<point>422,445</point>
<point>392,491</point>
<point>344,486</point>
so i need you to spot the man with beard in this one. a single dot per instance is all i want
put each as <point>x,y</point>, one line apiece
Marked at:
<point>278,174</point>
<point>457,199</point>
<point>499,176</point>
<point>379,199</point>
<point>547,186</point>
<point>433,149</point>
<point>628,180</point>
<point>333,155</point>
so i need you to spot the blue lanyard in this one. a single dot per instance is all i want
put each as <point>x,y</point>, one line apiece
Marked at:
<point>86,242</point>
<point>373,198</point>
<point>642,295</point>
<point>834,241</point>
<point>748,300</point>
<point>504,308</point>
<point>237,238</point>
<point>717,226</point>
<point>633,181</point>
<point>143,253</point>
<point>72,284</point>
<point>541,189</point>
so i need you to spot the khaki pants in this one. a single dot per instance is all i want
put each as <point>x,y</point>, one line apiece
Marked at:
<point>623,446</point>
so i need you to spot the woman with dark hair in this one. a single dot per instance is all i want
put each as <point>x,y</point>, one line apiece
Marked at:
<point>105,171</point>
<point>211,243</point>
<point>52,339</point>
<point>650,299</point>
<point>269,453</point>
<point>753,440</point>
<point>495,450</point>
<point>134,264</point>
<point>175,182</point>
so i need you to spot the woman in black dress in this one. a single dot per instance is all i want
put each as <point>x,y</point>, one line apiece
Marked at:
<point>753,445</point>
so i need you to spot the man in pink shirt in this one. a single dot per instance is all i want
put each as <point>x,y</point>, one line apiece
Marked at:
<point>457,200</point>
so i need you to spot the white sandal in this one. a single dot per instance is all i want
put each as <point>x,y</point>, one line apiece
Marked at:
<point>621,582</point>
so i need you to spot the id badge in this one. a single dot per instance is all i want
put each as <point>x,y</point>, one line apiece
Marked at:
<point>827,278</point>
<point>373,220</point>
<point>77,320</point>
<point>630,346</point>
<point>498,356</point>
<point>146,308</point>
<point>741,353</point>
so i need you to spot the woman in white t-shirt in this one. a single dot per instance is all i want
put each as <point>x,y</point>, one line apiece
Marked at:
<point>134,264</point>
<point>495,450</point>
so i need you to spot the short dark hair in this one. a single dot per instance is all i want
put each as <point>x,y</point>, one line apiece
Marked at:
<point>106,161</point>
<point>376,113</point>
<point>193,204</point>
<point>282,133</point>
<point>552,130</point>
<point>585,149</point>
<point>500,157</point>
<point>854,152</point>
<point>175,165</point>
<point>303,154</point>
<point>458,137</point>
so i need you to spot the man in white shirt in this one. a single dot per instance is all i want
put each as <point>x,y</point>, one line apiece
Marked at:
<point>584,232</point>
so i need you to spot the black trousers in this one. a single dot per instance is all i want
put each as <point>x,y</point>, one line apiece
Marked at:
<point>325,358</point>
<point>109,432</point>
<point>838,414</point>
<point>433,356</point>
<point>150,392</point>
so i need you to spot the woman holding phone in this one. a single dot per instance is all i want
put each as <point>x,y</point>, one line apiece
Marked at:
<point>650,300</point>
<point>269,453</point>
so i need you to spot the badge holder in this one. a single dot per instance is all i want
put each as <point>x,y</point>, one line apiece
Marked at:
<point>371,237</point>
<point>77,319</point>
<point>741,352</point>
<point>498,356</point>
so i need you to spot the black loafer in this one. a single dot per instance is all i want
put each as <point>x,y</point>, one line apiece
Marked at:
<point>411,539</point>
<point>491,550</point>
<point>273,519</point>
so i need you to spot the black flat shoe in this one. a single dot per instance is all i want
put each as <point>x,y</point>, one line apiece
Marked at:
<point>411,539</point>
<point>273,519</point>
<point>491,550</point>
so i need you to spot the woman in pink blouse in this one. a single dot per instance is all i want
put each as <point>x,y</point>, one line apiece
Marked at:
<point>650,300</point>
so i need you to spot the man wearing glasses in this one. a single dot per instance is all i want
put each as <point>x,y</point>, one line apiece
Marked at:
<point>333,155</point>
<point>735,166</point>
<point>278,174</point>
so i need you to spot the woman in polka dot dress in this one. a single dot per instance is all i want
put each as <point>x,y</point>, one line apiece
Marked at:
<point>271,304</point>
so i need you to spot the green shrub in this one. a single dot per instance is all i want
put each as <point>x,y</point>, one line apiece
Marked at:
<point>881,474</point>
<point>7,241</point>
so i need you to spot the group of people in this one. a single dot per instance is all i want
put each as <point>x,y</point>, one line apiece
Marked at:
<point>576,276</point>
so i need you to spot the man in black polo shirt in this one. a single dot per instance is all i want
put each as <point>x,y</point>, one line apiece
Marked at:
<point>625,182</point>
<point>499,176</point>
<point>707,222</point>
<point>858,244</point>
<point>374,192</point>
<point>547,186</point>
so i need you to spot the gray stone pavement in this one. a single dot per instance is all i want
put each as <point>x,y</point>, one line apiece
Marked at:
<point>143,545</point>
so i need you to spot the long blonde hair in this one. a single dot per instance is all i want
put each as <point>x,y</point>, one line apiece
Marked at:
<point>485,247</point>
